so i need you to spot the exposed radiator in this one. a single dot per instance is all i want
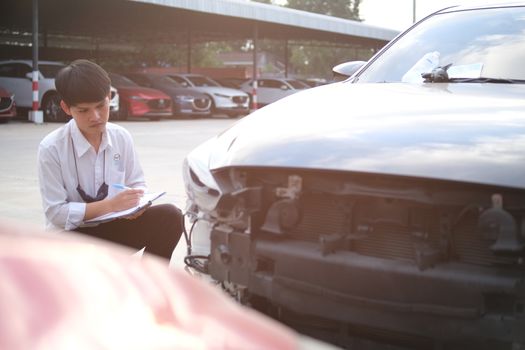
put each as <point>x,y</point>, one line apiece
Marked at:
<point>323,215</point>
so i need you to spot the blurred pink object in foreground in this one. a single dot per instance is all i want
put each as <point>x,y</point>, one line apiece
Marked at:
<point>65,291</point>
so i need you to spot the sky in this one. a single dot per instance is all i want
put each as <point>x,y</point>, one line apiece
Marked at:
<point>398,14</point>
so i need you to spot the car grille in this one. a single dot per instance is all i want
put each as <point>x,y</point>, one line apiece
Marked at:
<point>240,99</point>
<point>322,215</point>
<point>399,220</point>
<point>160,103</point>
<point>201,104</point>
<point>5,103</point>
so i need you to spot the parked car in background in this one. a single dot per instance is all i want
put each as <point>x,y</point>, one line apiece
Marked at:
<point>17,76</point>
<point>185,102</point>
<point>231,82</point>
<point>314,82</point>
<point>270,90</point>
<point>232,102</point>
<point>7,105</point>
<point>114,102</point>
<point>140,102</point>
<point>399,223</point>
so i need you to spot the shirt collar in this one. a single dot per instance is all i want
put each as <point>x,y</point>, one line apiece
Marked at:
<point>106,139</point>
<point>81,143</point>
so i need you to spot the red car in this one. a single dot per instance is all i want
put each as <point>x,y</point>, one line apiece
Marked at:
<point>7,105</point>
<point>140,102</point>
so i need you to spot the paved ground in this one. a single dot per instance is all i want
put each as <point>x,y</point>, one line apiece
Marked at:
<point>161,146</point>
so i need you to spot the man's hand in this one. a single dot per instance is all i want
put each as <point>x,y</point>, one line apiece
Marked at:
<point>123,200</point>
<point>126,199</point>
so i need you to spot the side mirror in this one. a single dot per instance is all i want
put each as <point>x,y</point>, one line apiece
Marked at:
<point>347,69</point>
<point>29,76</point>
<point>284,87</point>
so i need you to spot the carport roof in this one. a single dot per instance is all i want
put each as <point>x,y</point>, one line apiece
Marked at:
<point>279,15</point>
<point>170,21</point>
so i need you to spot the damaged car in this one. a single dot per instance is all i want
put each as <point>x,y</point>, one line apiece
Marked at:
<point>366,224</point>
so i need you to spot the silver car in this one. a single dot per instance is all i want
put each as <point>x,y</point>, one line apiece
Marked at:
<point>16,75</point>
<point>270,90</point>
<point>231,102</point>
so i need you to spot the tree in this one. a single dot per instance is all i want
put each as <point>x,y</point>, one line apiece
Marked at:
<point>317,59</point>
<point>348,9</point>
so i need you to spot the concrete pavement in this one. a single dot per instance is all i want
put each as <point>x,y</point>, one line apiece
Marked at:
<point>161,147</point>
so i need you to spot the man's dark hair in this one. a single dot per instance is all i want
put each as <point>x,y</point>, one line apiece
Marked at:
<point>82,81</point>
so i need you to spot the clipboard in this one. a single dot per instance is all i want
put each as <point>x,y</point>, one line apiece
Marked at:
<point>145,201</point>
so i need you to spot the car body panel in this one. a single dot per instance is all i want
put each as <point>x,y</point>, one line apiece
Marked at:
<point>448,143</point>
<point>7,105</point>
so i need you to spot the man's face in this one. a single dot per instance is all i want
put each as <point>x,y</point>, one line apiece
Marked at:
<point>91,117</point>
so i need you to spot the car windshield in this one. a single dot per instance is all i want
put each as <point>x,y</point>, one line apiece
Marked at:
<point>167,81</point>
<point>482,43</point>
<point>120,81</point>
<point>296,84</point>
<point>49,70</point>
<point>202,81</point>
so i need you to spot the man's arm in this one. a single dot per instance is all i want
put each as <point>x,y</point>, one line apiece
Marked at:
<point>57,209</point>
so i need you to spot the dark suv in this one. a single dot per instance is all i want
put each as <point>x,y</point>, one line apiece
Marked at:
<point>385,209</point>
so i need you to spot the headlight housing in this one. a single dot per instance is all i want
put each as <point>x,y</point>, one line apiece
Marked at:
<point>200,185</point>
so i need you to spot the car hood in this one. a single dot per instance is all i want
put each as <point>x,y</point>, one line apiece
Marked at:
<point>460,132</point>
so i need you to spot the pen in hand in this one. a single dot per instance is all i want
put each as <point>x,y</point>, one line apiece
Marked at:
<point>121,187</point>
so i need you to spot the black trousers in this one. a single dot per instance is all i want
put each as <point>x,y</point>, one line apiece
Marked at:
<point>158,229</point>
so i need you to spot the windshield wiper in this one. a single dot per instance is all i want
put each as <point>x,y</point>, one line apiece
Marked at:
<point>440,75</point>
<point>487,80</point>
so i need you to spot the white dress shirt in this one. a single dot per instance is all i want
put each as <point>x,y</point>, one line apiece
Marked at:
<point>115,163</point>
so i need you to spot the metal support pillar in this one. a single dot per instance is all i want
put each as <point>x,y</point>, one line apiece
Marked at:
<point>286,58</point>
<point>413,11</point>
<point>188,45</point>
<point>255,68</point>
<point>35,115</point>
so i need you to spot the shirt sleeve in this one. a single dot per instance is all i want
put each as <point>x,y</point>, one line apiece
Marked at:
<point>57,209</point>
